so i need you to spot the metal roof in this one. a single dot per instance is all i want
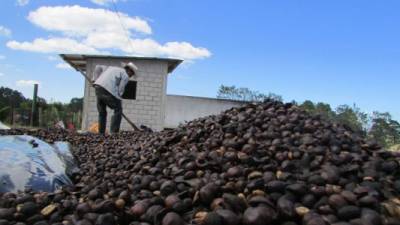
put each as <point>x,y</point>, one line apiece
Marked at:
<point>78,61</point>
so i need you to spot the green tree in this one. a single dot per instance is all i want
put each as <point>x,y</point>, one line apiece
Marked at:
<point>353,117</point>
<point>308,106</point>
<point>325,110</point>
<point>384,129</point>
<point>320,108</point>
<point>10,96</point>
<point>24,112</point>
<point>244,94</point>
<point>9,101</point>
<point>76,104</point>
<point>13,105</point>
<point>42,103</point>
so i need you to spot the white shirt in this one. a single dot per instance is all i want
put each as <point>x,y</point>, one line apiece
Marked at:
<point>111,78</point>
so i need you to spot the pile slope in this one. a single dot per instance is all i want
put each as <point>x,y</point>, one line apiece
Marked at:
<point>266,163</point>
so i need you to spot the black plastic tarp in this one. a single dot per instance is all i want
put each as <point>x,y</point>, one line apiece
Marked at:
<point>27,162</point>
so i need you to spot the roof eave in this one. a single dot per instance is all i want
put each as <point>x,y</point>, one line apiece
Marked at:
<point>69,58</point>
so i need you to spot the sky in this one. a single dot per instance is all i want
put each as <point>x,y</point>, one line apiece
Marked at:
<point>338,52</point>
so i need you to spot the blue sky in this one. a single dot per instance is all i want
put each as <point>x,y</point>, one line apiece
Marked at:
<point>339,52</point>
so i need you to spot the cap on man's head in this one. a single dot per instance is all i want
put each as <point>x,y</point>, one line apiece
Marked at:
<point>131,66</point>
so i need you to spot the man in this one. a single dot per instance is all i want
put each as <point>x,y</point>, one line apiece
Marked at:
<point>110,84</point>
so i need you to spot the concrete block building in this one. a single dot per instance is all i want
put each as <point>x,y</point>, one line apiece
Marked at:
<point>145,100</point>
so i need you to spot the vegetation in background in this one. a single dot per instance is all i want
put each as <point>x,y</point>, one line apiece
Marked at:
<point>378,125</point>
<point>244,94</point>
<point>16,110</point>
<point>385,129</point>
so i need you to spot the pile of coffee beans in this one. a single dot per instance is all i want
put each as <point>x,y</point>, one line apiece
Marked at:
<point>261,164</point>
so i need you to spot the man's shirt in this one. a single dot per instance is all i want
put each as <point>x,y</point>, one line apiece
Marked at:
<point>111,78</point>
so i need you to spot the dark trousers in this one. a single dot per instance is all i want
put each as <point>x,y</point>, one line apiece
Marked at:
<point>104,99</point>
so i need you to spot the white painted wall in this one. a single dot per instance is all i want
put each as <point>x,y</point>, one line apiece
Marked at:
<point>186,108</point>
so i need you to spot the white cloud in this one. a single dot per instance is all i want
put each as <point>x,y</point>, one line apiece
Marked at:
<point>107,40</point>
<point>53,45</point>
<point>2,57</point>
<point>96,31</point>
<point>81,21</point>
<point>105,2</point>
<point>1,74</point>
<point>64,66</point>
<point>147,47</point>
<point>182,50</point>
<point>22,2</point>
<point>185,50</point>
<point>4,31</point>
<point>52,58</point>
<point>26,83</point>
<point>102,2</point>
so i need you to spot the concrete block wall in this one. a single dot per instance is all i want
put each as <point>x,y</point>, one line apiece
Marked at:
<point>148,108</point>
<point>180,109</point>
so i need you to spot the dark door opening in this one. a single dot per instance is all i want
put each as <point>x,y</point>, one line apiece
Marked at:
<point>130,90</point>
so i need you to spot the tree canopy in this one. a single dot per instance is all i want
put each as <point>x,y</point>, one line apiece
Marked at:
<point>244,94</point>
<point>16,109</point>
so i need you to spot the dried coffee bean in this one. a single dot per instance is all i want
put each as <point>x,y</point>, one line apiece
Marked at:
<point>105,219</point>
<point>6,213</point>
<point>139,208</point>
<point>167,188</point>
<point>84,222</point>
<point>120,203</point>
<point>234,203</point>
<point>208,192</point>
<point>349,196</point>
<point>369,216</point>
<point>337,201</point>
<point>286,206</point>
<point>228,217</point>
<point>276,186</point>
<point>308,200</point>
<point>260,215</point>
<point>172,219</point>
<point>82,209</point>
<point>313,218</point>
<point>368,201</point>
<point>104,206</point>
<point>349,212</point>
<point>297,188</point>
<point>94,194</point>
<point>28,208</point>
<point>301,211</point>
<point>152,213</point>
<point>91,217</point>
<point>212,218</point>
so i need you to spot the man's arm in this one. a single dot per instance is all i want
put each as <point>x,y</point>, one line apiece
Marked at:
<point>122,84</point>
<point>98,70</point>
